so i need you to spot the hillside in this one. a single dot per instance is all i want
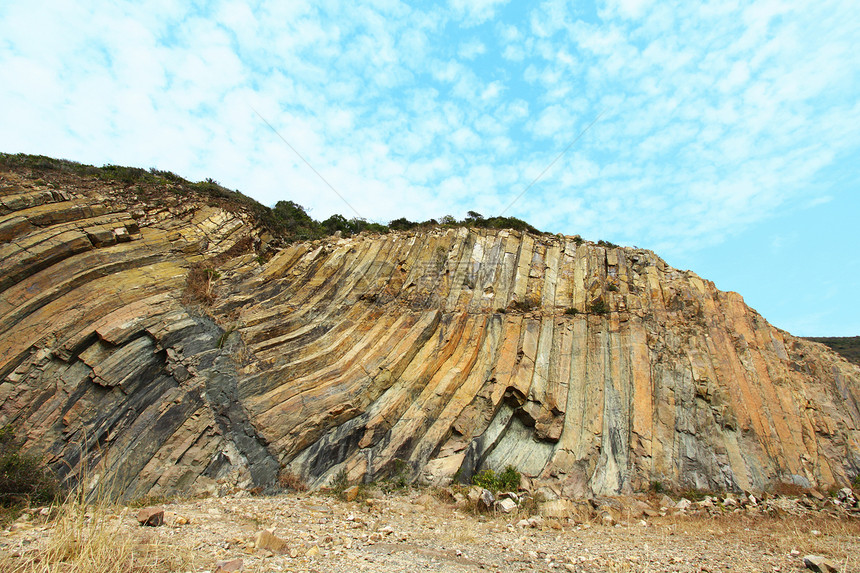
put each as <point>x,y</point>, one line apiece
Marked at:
<point>847,346</point>
<point>160,337</point>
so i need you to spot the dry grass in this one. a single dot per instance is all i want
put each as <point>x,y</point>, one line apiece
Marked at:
<point>94,539</point>
<point>289,480</point>
<point>815,533</point>
<point>200,285</point>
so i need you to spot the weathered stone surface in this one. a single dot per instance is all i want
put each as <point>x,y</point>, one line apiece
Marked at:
<point>351,493</point>
<point>268,541</point>
<point>819,564</point>
<point>151,516</point>
<point>506,505</point>
<point>229,566</point>
<point>432,355</point>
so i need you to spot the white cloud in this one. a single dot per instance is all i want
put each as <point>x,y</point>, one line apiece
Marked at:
<point>715,115</point>
<point>471,49</point>
<point>475,12</point>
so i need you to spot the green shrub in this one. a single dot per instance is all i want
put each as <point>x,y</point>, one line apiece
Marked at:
<point>23,478</point>
<point>571,311</point>
<point>507,480</point>
<point>598,307</point>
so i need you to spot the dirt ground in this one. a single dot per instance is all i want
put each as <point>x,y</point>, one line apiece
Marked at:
<point>414,531</point>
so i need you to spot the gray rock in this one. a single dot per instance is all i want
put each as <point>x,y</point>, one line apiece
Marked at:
<point>487,498</point>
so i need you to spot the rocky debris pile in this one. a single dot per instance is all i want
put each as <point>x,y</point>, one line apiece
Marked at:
<point>436,529</point>
<point>630,509</point>
<point>432,529</point>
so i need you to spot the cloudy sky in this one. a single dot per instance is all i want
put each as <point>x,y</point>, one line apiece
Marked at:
<point>727,134</point>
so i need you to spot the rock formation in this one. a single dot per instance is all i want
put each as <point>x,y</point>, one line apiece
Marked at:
<point>147,348</point>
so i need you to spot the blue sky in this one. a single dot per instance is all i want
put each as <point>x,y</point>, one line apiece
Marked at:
<point>728,138</point>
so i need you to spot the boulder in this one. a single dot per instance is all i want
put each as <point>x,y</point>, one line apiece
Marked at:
<point>151,516</point>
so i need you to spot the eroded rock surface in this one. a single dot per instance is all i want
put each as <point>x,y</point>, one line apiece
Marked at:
<point>592,369</point>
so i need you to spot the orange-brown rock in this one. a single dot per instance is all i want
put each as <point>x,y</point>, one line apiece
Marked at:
<point>592,369</point>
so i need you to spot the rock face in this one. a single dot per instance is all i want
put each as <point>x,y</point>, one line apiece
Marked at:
<point>590,368</point>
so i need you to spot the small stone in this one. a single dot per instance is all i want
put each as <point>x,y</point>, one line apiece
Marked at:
<point>151,516</point>
<point>387,530</point>
<point>313,551</point>
<point>506,505</point>
<point>229,566</point>
<point>683,504</point>
<point>819,564</point>
<point>607,519</point>
<point>267,540</point>
<point>350,493</point>
<point>523,523</point>
<point>474,494</point>
<point>487,498</point>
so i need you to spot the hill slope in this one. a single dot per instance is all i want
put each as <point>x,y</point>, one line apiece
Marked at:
<point>847,346</point>
<point>145,343</point>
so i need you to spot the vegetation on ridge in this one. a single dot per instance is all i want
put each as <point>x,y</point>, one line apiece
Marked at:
<point>847,346</point>
<point>287,219</point>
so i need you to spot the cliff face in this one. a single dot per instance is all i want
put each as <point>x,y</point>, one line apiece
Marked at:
<point>591,369</point>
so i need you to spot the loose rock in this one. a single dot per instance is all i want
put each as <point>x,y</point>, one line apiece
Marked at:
<point>151,516</point>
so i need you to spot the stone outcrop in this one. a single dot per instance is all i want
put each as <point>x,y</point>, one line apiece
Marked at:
<point>592,369</point>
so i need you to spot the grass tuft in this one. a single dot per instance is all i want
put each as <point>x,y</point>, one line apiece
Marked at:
<point>24,480</point>
<point>93,538</point>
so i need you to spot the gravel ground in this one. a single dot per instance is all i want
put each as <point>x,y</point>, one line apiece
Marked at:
<point>414,531</point>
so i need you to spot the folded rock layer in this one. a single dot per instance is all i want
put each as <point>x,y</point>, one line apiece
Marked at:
<point>146,349</point>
